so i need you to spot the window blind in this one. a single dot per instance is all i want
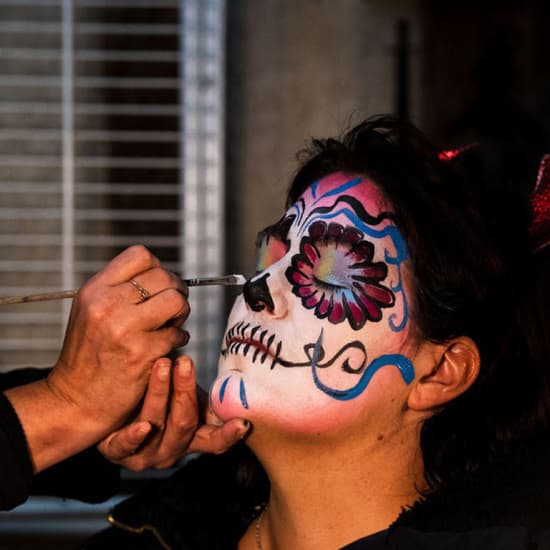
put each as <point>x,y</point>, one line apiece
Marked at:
<point>111,134</point>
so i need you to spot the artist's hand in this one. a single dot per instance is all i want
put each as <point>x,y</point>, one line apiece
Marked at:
<point>169,424</point>
<point>113,338</point>
<point>116,333</point>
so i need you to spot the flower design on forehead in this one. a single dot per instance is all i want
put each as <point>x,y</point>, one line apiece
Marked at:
<point>335,276</point>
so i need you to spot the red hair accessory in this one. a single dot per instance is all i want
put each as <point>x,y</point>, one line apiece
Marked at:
<point>450,154</point>
<point>540,201</point>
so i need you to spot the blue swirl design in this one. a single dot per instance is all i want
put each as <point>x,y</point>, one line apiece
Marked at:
<point>403,364</point>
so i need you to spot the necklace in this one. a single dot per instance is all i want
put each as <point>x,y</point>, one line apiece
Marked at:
<point>258,527</point>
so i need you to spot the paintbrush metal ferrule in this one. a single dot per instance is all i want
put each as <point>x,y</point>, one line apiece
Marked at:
<point>236,279</point>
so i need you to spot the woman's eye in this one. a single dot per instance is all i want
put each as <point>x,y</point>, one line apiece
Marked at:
<point>328,285</point>
<point>331,271</point>
<point>337,278</point>
<point>270,250</point>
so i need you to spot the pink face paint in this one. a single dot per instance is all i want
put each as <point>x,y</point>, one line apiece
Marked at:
<point>333,266</point>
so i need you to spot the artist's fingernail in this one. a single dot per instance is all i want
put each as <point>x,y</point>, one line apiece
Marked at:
<point>245,427</point>
<point>185,290</point>
<point>184,366</point>
<point>185,338</point>
<point>143,428</point>
<point>163,372</point>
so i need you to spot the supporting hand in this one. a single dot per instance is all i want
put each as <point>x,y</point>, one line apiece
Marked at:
<point>168,427</point>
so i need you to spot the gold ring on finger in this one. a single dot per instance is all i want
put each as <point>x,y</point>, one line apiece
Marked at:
<point>143,294</point>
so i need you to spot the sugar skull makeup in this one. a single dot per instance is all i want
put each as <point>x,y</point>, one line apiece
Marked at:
<point>326,312</point>
<point>335,276</point>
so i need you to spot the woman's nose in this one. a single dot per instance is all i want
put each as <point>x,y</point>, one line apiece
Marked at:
<point>256,293</point>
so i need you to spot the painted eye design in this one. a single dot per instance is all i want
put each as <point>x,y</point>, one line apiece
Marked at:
<point>270,250</point>
<point>272,243</point>
<point>335,276</point>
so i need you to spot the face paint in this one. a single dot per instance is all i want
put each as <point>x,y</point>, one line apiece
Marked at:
<point>335,276</point>
<point>327,314</point>
<point>272,244</point>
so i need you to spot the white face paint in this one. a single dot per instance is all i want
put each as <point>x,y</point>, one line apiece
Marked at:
<point>321,333</point>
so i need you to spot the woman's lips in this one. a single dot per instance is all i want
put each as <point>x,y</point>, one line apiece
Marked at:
<point>246,339</point>
<point>245,344</point>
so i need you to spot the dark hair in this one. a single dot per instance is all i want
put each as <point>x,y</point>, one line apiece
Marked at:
<point>466,230</point>
<point>535,323</point>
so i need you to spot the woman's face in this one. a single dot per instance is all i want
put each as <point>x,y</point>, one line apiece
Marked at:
<point>319,335</point>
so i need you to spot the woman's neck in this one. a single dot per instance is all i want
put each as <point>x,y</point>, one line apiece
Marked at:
<point>325,496</point>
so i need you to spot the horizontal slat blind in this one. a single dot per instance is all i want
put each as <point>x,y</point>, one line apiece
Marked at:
<point>110,134</point>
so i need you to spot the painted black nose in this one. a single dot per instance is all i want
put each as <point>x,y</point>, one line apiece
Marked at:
<point>256,294</point>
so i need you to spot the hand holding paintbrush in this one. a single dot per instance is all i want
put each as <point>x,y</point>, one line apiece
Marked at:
<point>124,322</point>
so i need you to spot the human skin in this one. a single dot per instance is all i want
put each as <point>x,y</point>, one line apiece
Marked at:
<point>322,356</point>
<point>335,343</point>
<point>171,422</point>
<point>112,341</point>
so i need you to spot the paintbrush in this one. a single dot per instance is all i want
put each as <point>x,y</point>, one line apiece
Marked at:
<point>236,279</point>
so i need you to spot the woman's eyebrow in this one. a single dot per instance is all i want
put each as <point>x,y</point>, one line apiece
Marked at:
<point>279,230</point>
<point>263,234</point>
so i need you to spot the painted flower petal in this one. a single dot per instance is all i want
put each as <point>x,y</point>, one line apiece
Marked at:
<point>379,293</point>
<point>304,267</point>
<point>317,230</point>
<point>311,301</point>
<point>310,252</point>
<point>334,231</point>
<point>337,313</point>
<point>364,251</point>
<point>351,235</point>
<point>373,311</point>
<point>323,307</point>
<point>298,278</point>
<point>304,291</point>
<point>356,315</point>
<point>370,272</point>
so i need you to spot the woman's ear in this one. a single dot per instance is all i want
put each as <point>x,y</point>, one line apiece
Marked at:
<point>455,367</point>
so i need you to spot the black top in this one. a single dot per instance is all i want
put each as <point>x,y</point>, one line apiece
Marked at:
<point>209,503</point>
<point>490,538</point>
<point>86,476</point>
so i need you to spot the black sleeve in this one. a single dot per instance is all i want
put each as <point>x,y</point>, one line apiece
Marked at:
<point>86,476</point>
<point>19,377</point>
<point>15,463</point>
